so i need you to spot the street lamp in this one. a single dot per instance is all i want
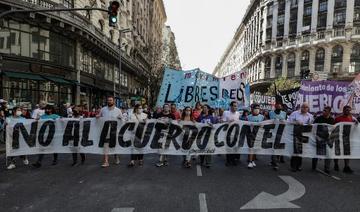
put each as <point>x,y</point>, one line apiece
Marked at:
<point>121,31</point>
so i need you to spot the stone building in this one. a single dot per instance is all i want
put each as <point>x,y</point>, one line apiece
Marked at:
<point>170,56</point>
<point>283,37</point>
<point>74,56</point>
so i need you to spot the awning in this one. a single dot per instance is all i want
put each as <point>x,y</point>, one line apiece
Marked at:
<point>21,75</point>
<point>59,80</point>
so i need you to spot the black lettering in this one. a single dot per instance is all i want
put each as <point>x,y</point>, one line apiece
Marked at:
<point>346,139</point>
<point>174,131</point>
<point>216,136</point>
<point>72,133</point>
<point>146,137</point>
<point>188,94</point>
<point>203,93</point>
<point>231,142</point>
<point>51,133</point>
<point>112,125</point>
<point>267,135</point>
<point>299,138</point>
<point>85,134</point>
<point>249,135</point>
<point>159,127</point>
<point>30,139</point>
<point>127,126</point>
<point>213,92</point>
<point>189,136</point>
<point>167,94</point>
<point>279,133</point>
<point>200,141</point>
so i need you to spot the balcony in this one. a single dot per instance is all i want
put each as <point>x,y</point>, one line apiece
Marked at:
<point>356,31</point>
<point>321,35</point>
<point>42,3</point>
<point>305,39</point>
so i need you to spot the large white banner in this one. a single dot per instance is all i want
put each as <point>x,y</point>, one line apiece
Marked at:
<point>182,138</point>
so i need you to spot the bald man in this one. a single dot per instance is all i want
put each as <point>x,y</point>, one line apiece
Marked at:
<point>300,117</point>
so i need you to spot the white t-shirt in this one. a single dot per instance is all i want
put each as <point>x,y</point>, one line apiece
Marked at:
<point>138,117</point>
<point>305,119</point>
<point>37,113</point>
<point>229,116</point>
<point>115,112</point>
<point>69,112</point>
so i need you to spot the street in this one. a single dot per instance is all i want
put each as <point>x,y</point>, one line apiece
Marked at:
<point>88,187</point>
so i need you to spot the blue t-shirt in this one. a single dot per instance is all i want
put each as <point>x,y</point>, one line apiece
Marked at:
<point>258,118</point>
<point>51,116</point>
<point>207,119</point>
<point>274,116</point>
<point>16,120</point>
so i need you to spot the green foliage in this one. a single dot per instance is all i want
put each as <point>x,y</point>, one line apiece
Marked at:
<point>283,84</point>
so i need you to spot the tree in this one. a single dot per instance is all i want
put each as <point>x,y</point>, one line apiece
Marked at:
<point>282,84</point>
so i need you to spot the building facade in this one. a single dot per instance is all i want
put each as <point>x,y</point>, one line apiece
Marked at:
<point>170,56</point>
<point>283,37</point>
<point>74,56</point>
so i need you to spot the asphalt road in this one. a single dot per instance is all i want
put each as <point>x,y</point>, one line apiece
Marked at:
<point>89,187</point>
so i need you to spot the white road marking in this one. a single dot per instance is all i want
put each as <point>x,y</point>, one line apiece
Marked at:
<point>123,210</point>
<point>268,201</point>
<point>202,200</point>
<point>198,171</point>
<point>329,175</point>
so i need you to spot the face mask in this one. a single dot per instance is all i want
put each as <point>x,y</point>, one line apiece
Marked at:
<point>145,109</point>
<point>139,111</point>
<point>18,113</point>
<point>256,111</point>
<point>188,113</point>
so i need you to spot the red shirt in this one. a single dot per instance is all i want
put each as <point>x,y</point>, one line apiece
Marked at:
<point>344,119</point>
<point>177,115</point>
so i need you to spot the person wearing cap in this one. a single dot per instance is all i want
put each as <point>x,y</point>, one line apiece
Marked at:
<point>255,117</point>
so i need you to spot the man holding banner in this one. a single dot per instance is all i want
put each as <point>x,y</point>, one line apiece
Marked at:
<point>300,117</point>
<point>231,116</point>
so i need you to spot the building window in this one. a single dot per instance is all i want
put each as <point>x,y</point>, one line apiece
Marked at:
<point>291,65</point>
<point>281,19</point>
<point>68,3</point>
<point>323,6</point>
<point>278,66</point>
<point>305,60</point>
<point>322,21</point>
<point>319,60</point>
<point>355,59</point>
<point>308,11</point>
<point>336,58</point>
<point>25,40</point>
<point>340,3</point>
<point>339,17</point>
<point>267,67</point>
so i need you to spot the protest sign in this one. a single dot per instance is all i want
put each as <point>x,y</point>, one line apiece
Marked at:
<point>324,93</point>
<point>289,98</point>
<point>265,102</point>
<point>182,138</point>
<point>185,88</point>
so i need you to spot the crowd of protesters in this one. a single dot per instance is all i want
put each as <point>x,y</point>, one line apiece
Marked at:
<point>201,113</point>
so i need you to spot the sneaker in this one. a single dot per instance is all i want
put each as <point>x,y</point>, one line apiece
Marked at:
<point>348,170</point>
<point>105,165</point>
<point>253,163</point>
<point>117,160</point>
<point>160,164</point>
<point>26,162</point>
<point>250,165</point>
<point>11,166</point>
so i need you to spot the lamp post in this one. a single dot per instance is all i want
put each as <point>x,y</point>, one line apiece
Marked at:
<point>121,31</point>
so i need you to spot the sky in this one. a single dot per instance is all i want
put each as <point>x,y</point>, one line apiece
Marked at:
<point>203,29</point>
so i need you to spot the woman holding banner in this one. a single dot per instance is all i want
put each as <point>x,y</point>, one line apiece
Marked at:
<point>256,117</point>
<point>206,117</point>
<point>137,116</point>
<point>187,116</point>
<point>16,118</point>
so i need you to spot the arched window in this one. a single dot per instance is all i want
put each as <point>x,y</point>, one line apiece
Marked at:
<point>320,60</point>
<point>355,59</point>
<point>337,58</point>
<point>278,66</point>
<point>305,60</point>
<point>291,65</point>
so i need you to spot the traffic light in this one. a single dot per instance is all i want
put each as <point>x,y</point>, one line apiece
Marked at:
<point>113,13</point>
